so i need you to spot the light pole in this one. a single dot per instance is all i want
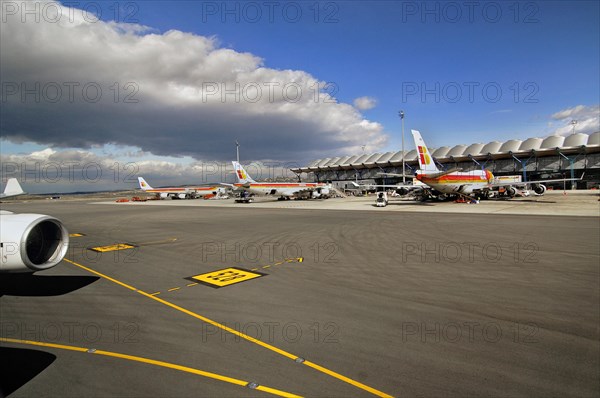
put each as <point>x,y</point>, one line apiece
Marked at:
<point>237,151</point>
<point>573,123</point>
<point>403,176</point>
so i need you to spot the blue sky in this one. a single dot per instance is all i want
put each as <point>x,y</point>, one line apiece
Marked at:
<point>544,56</point>
<point>463,72</point>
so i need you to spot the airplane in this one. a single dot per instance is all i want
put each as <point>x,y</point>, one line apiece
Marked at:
<point>433,183</point>
<point>29,242</point>
<point>181,192</point>
<point>476,183</point>
<point>451,181</point>
<point>284,190</point>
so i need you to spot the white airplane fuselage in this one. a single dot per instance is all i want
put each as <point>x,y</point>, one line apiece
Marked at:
<point>283,188</point>
<point>459,182</point>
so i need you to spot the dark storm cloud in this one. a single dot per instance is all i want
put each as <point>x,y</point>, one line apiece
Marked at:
<point>76,83</point>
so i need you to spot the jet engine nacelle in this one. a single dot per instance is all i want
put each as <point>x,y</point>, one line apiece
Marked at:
<point>539,189</point>
<point>182,195</point>
<point>511,191</point>
<point>164,195</point>
<point>323,191</point>
<point>31,242</point>
<point>402,191</point>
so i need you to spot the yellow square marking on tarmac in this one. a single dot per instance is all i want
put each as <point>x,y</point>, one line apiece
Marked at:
<point>112,248</point>
<point>225,277</point>
<point>76,235</point>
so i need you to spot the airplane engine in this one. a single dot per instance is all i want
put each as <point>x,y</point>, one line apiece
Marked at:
<point>511,191</point>
<point>402,191</point>
<point>164,195</point>
<point>323,191</point>
<point>31,242</point>
<point>182,195</point>
<point>539,189</point>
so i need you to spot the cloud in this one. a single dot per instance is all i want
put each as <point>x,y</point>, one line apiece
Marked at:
<point>75,170</point>
<point>365,103</point>
<point>587,117</point>
<point>79,83</point>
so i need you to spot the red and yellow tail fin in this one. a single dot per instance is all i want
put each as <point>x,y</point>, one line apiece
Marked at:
<point>426,163</point>
<point>240,174</point>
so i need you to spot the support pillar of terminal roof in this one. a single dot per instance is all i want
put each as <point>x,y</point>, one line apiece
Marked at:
<point>572,160</point>
<point>337,174</point>
<point>356,173</point>
<point>572,166</point>
<point>489,157</point>
<point>435,161</point>
<point>475,161</point>
<point>455,163</point>
<point>317,174</point>
<point>523,163</point>
<point>412,169</point>
<point>298,176</point>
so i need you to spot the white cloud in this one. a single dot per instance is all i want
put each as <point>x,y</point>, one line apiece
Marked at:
<point>172,94</point>
<point>365,103</point>
<point>74,170</point>
<point>587,117</point>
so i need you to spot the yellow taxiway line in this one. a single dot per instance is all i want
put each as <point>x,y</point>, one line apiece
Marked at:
<point>240,334</point>
<point>154,362</point>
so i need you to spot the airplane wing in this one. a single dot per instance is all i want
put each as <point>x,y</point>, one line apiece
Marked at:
<point>235,187</point>
<point>13,188</point>
<point>395,175</point>
<point>409,187</point>
<point>525,183</point>
<point>433,175</point>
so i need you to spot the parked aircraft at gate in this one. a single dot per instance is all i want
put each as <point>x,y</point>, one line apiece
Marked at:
<point>284,190</point>
<point>180,192</point>
<point>474,183</point>
<point>477,183</point>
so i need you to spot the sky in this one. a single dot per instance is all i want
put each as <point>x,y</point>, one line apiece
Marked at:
<point>96,93</point>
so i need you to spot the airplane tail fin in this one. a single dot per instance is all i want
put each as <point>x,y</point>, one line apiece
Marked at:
<point>13,188</point>
<point>426,163</point>
<point>240,174</point>
<point>143,184</point>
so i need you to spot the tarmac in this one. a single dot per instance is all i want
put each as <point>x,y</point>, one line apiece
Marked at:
<point>207,298</point>
<point>572,203</point>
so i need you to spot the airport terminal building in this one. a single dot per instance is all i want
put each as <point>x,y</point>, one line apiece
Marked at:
<point>532,159</point>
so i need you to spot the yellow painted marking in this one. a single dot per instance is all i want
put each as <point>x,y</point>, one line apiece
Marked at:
<point>267,266</point>
<point>155,293</point>
<point>226,277</point>
<point>300,259</point>
<point>154,362</point>
<point>254,269</point>
<point>238,333</point>
<point>191,284</point>
<point>281,262</point>
<point>157,242</point>
<point>173,289</point>
<point>75,235</point>
<point>111,248</point>
<point>346,379</point>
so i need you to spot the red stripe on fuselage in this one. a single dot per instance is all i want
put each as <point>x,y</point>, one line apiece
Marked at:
<point>453,178</point>
<point>280,185</point>
<point>181,189</point>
